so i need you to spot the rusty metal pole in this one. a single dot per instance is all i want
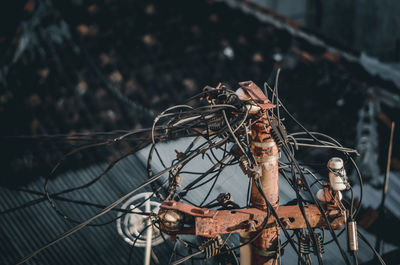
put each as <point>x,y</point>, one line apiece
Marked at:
<point>266,154</point>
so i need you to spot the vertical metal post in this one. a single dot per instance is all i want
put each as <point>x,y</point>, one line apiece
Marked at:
<point>245,251</point>
<point>389,159</point>
<point>149,233</point>
<point>266,154</point>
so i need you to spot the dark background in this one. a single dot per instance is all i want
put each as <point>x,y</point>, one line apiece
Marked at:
<point>87,66</point>
<point>69,67</point>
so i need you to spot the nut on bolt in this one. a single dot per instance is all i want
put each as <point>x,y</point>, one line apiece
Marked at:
<point>251,225</point>
<point>171,220</point>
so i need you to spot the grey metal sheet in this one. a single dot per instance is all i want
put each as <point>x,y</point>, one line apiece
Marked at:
<point>28,229</point>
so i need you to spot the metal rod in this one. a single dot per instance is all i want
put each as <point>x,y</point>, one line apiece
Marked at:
<point>245,251</point>
<point>149,233</point>
<point>385,189</point>
<point>389,158</point>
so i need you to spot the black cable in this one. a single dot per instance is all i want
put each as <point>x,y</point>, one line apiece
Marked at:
<point>134,242</point>
<point>69,137</point>
<point>276,95</point>
<point>234,256</point>
<point>205,174</point>
<point>265,223</point>
<point>210,190</point>
<point>43,198</point>
<point>51,201</point>
<point>150,155</point>
<point>175,173</point>
<point>186,122</point>
<point>318,205</point>
<point>290,157</point>
<point>355,259</point>
<point>108,208</point>
<point>165,239</point>
<point>203,183</point>
<point>352,162</point>
<point>360,235</point>
<point>294,162</point>
<point>88,221</point>
<point>275,214</point>
<point>172,252</point>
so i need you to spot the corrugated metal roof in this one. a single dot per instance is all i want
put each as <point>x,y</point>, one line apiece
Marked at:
<point>26,230</point>
<point>32,227</point>
<point>374,195</point>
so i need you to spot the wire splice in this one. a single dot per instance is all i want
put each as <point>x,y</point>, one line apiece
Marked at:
<point>352,240</point>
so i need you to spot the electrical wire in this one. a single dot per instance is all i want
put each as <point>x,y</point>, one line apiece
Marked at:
<point>106,209</point>
<point>289,155</point>
<point>363,238</point>
<point>221,121</point>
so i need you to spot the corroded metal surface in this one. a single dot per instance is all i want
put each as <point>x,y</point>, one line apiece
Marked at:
<point>214,222</point>
<point>256,95</point>
<point>188,209</point>
<point>266,154</point>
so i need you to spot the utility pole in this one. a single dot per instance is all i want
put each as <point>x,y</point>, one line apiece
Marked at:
<point>266,154</point>
<point>182,218</point>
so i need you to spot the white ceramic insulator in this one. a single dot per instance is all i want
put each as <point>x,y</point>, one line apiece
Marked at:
<point>337,182</point>
<point>321,195</point>
<point>340,195</point>
<point>253,108</point>
<point>242,95</point>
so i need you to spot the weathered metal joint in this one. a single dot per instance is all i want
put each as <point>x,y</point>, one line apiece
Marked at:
<point>175,216</point>
<point>265,253</point>
<point>251,171</point>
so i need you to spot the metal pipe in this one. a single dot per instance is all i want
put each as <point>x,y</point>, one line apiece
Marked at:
<point>266,154</point>
<point>149,233</point>
<point>245,251</point>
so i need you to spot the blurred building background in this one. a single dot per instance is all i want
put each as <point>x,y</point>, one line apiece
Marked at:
<point>364,25</point>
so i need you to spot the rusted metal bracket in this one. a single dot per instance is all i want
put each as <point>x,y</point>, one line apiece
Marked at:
<point>188,209</point>
<point>256,95</point>
<point>210,223</point>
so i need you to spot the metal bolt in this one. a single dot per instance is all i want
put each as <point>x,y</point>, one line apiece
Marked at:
<point>286,223</point>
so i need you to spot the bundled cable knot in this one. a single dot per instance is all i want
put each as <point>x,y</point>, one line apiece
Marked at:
<point>319,248</point>
<point>278,133</point>
<point>253,171</point>
<point>211,247</point>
